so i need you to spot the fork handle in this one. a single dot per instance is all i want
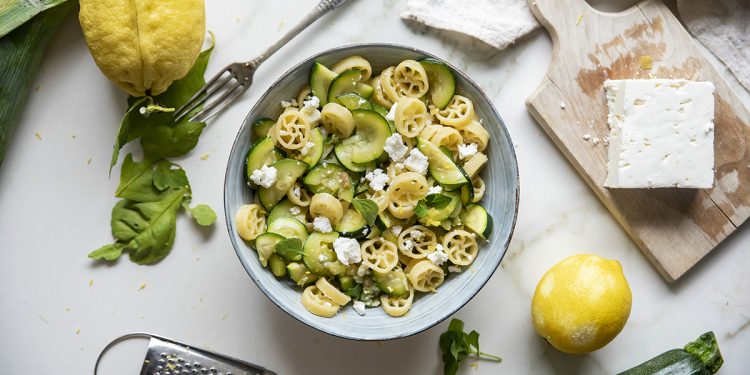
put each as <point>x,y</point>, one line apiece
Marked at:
<point>320,10</point>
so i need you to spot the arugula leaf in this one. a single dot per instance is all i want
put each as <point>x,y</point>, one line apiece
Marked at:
<point>367,208</point>
<point>420,210</point>
<point>136,181</point>
<point>456,345</point>
<point>289,249</point>
<point>164,141</point>
<point>437,200</point>
<point>202,214</point>
<point>170,176</point>
<point>147,228</point>
<point>107,252</point>
<point>123,135</point>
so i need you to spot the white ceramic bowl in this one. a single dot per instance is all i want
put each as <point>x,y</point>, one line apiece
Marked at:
<point>500,200</point>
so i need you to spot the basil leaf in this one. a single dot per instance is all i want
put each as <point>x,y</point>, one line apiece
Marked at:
<point>355,292</point>
<point>456,345</point>
<point>107,252</point>
<point>203,214</point>
<point>289,249</point>
<point>367,208</point>
<point>170,176</point>
<point>136,181</point>
<point>420,210</point>
<point>147,228</point>
<point>437,200</point>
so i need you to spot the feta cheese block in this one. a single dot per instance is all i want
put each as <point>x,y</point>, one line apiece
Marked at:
<point>661,133</point>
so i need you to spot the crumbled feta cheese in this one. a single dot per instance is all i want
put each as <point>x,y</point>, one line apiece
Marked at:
<point>377,179</point>
<point>359,307</point>
<point>439,247</point>
<point>365,231</point>
<point>395,147</point>
<point>313,102</point>
<point>396,229</point>
<point>467,151</point>
<point>391,116</point>
<point>347,251</point>
<point>265,176</point>
<point>409,244</point>
<point>417,234</point>
<point>437,257</point>
<point>296,191</point>
<point>416,161</point>
<point>363,269</point>
<point>455,269</point>
<point>435,190</point>
<point>311,113</point>
<point>323,132</point>
<point>288,103</point>
<point>322,224</point>
<point>562,104</point>
<point>294,210</point>
<point>586,137</point>
<point>306,148</point>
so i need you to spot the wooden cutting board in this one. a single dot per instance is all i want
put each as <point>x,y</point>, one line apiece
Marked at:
<point>674,228</point>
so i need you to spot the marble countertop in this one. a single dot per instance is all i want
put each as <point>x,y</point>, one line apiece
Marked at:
<point>59,309</point>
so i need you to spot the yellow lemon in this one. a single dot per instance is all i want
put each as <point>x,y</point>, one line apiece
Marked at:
<point>581,303</point>
<point>143,45</point>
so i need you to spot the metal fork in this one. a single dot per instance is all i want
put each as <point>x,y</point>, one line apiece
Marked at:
<point>236,78</point>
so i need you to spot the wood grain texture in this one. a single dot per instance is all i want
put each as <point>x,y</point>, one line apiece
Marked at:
<point>674,228</point>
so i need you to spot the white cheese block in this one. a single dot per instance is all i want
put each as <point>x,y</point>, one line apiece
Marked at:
<point>661,133</point>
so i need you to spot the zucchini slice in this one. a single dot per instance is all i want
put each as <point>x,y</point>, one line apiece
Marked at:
<point>352,224</point>
<point>368,143</point>
<point>348,81</point>
<point>435,215</point>
<point>300,274</point>
<point>442,167</point>
<point>313,155</point>
<point>262,153</point>
<point>288,228</point>
<point>264,246</point>
<point>392,282</point>
<point>332,179</point>
<point>478,220</point>
<point>344,156</point>
<point>467,193</point>
<point>261,126</point>
<point>282,208</point>
<point>353,101</point>
<point>287,173</point>
<point>319,256</point>
<point>320,80</point>
<point>441,80</point>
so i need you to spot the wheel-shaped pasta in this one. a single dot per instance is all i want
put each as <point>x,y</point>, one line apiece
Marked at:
<point>305,93</point>
<point>400,211</point>
<point>411,79</point>
<point>317,303</point>
<point>378,96</point>
<point>250,221</point>
<point>379,255</point>
<point>336,119</point>
<point>446,136</point>
<point>461,247</point>
<point>474,132</point>
<point>292,130</point>
<point>407,188</point>
<point>475,164</point>
<point>354,62</point>
<point>416,242</point>
<point>333,293</point>
<point>429,131</point>
<point>388,84</point>
<point>380,197</point>
<point>458,113</point>
<point>395,169</point>
<point>425,276</point>
<point>411,116</point>
<point>326,205</point>
<point>397,306</point>
<point>478,184</point>
<point>298,195</point>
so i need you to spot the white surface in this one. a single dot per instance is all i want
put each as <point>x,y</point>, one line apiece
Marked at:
<point>661,133</point>
<point>55,209</point>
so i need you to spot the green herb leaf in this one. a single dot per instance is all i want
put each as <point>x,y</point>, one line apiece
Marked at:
<point>367,208</point>
<point>355,292</point>
<point>170,176</point>
<point>203,214</point>
<point>123,135</point>
<point>136,181</point>
<point>147,228</point>
<point>289,249</point>
<point>437,200</point>
<point>180,91</point>
<point>164,141</point>
<point>456,345</point>
<point>420,210</point>
<point>107,252</point>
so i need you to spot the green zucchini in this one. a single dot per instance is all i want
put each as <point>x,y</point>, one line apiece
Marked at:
<point>21,53</point>
<point>320,80</point>
<point>441,81</point>
<point>261,126</point>
<point>699,357</point>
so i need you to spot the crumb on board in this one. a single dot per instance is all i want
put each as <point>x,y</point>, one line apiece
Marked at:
<point>579,19</point>
<point>646,62</point>
<point>38,136</point>
<point>91,282</point>
<point>88,161</point>
<point>281,25</point>
<point>142,286</point>
<point>586,137</point>
<point>205,156</point>
<point>237,20</point>
<point>37,87</point>
<point>562,104</point>
<point>67,309</point>
<point>78,331</point>
<point>225,317</point>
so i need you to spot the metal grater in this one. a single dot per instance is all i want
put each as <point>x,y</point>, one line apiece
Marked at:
<point>169,357</point>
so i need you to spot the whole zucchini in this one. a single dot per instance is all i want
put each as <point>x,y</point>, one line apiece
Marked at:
<point>21,54</point>
<point>700,357</point>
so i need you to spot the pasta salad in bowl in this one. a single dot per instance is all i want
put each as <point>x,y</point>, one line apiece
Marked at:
<point>372,191</point>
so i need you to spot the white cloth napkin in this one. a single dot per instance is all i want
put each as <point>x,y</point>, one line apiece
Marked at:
<point>498,23</point>
<point>723,26</point>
